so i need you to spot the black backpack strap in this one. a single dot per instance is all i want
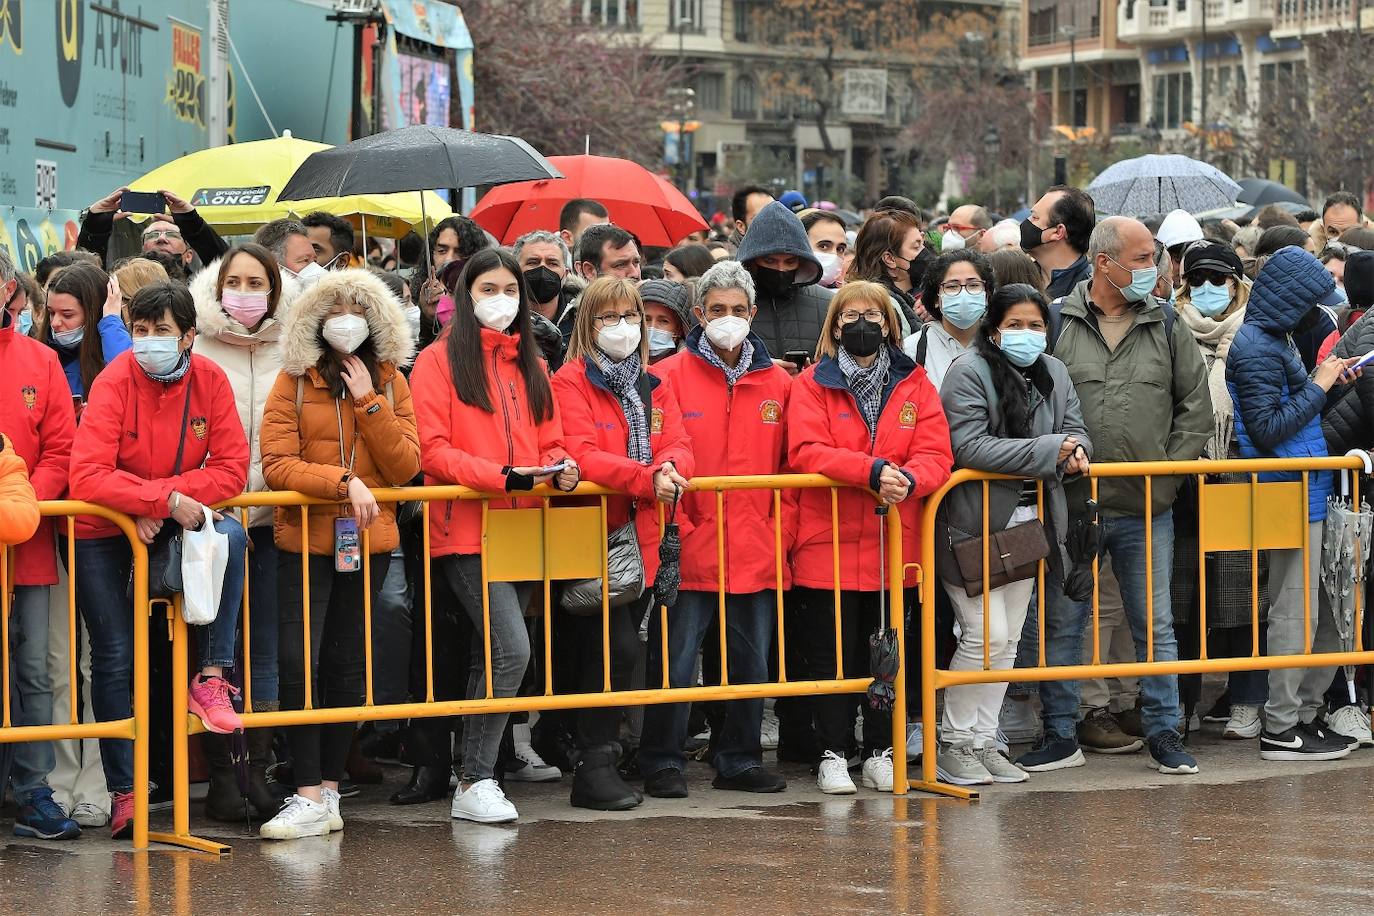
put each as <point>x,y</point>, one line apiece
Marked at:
<point>922,345</point>
<point>1056,322</point>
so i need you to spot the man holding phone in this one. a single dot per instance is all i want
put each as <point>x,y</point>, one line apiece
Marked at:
<point>175,228</point>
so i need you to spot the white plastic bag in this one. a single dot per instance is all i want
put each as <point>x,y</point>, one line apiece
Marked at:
<point>204,556</point>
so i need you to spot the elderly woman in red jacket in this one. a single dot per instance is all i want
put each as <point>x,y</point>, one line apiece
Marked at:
<point>865,415</point>
<point>160,440</point>
<point>737,422</point>
<point>625,428</point>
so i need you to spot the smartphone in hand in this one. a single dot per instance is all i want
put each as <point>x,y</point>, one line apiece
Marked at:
<point>799,358</point>
<point>142,202</point>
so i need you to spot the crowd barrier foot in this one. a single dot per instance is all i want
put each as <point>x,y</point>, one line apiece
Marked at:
<point>187,841</point>
<point>941,788</point>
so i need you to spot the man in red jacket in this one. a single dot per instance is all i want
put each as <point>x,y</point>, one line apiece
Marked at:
<point>734,408</point>
<point>160,441</point>
<point>36,414</point>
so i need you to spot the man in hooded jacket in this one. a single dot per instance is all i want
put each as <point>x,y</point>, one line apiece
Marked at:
<point>791,306</point>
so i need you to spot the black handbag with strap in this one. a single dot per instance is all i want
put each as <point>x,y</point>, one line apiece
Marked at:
<point>164,554</point>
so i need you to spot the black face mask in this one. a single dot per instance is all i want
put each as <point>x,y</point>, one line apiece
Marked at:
<point>544,285</point>
<point>1032,236</point>
<point>862,337</point>
<point>919,265</point>
<point>772,282</point>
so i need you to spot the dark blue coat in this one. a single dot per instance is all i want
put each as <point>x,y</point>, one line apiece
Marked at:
<point>1278,408</point>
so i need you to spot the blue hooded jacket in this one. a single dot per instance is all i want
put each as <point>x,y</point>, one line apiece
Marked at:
<point>1278,408</point>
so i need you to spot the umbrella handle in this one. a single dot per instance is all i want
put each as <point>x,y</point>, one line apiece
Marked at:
<point>881,512</point>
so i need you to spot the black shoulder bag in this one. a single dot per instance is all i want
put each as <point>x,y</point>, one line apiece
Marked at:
<point>164,554</point>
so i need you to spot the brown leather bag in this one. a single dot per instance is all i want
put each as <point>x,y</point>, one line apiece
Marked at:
<point>1013,555</point>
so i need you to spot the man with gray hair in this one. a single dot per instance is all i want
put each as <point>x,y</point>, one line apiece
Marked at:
<point>289,242</point>
<point>1142,386</point>
<point>543,259</point>
<point>735,407</point>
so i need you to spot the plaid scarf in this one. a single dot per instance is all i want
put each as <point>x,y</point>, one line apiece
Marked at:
<point>746,358</point>
<point>623,380</point>
<point>866,385</point>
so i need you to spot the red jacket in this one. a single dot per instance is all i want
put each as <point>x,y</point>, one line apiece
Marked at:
<point>467,446</point>
<point>595,433</point>
<point>827,435</point>
<point>126,447</point>
<point>734,433</point>
<point>36,413</point>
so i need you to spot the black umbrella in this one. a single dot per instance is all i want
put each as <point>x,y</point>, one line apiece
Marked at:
<point>1260,191</point>
<point>1084,544</point>
<point>883,657</point>
<point>669,576</point>
<point>416,158</point>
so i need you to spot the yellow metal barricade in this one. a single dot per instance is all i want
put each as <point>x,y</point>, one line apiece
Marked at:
<point>543,545</point>
<point>68,724</point>
<point>1251,516</point>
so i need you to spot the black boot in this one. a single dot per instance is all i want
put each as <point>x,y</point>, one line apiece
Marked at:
<point>224,802</point>
<point>597,783</point>
<point>264,801</point>
<point>426,784</point>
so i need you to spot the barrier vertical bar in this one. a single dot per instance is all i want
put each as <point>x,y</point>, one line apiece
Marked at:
<point>486,602</point>
<point>5,635</point>
<point>720,576</point>
<point>1040,578</point>
<point>1306,572</point>
<point>245,614</point>
<point>73,647</point>
<point>1202,566</point>
<point>1359,592</point>
<point>896,572</point>
<point>429,614</point>
<point>548,604</point>
<point>367,618</point>
<point>142,719</point>
<point>835,547</point>
<point>1097,591</point>
<point>606,599</point>
<point>305,606</point>
<point>1254,567</point>
<point>1149,571</point>
<point>777,556</point>
<point>987,584</point>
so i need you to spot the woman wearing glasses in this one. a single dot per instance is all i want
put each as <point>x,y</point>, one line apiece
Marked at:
<point>956,295</point>
<point>624,428</point>
<point>866,415</point>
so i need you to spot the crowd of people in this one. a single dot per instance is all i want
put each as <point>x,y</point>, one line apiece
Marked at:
<point>883,356</point>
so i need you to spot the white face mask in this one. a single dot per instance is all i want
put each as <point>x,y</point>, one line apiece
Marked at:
<point>952,241</point>
<point>345,333</point>
<point>309,275</point>
<point>619,340</point>
<point>413,320</point>
<point>496,312</point>
<point>830,266</point>
<point>728,332</point>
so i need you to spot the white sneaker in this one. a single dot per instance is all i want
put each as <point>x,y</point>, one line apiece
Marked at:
<point>1350,722</point>
<point>331,801</point>
<point>1244,722</point>
<point>297,818</point>
<point>88,814</point>
<point>483,802</point>
<point>768,731</point>
<point>999,767</point>
<point>961,766</point>
<point>915,741</point>
<point>832,777</point>
<point>878,771</point>
<point>532,766</point>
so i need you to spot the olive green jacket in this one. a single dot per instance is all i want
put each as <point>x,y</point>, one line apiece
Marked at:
<point>1146,401</point>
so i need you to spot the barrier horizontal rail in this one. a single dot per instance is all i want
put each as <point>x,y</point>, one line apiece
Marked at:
<point>935,678</point>
<point>135,728</point>
<point>547,499</point>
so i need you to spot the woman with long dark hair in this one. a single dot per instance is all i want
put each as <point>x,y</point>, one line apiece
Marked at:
<point>888,244</point>
<point>85,323</point>
<point>337,423</point>
<point>488,421</point>
<point>1012,410</point>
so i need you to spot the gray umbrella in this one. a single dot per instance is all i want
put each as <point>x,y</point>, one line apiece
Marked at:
<point>1345,565</point>
<point>416,158</point>
<point>1148,185</point>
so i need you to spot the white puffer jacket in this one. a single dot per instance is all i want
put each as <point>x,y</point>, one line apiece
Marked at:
<point>250,360</point>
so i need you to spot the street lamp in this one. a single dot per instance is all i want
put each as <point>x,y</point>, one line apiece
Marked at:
<point>992,146</point>
<point>1071,33</point>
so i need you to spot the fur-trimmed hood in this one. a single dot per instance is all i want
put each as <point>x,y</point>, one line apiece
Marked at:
<point>386,320</point>
<point>213,321</point>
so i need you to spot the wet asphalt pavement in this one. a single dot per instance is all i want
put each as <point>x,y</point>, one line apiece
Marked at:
<point>1113,837</point>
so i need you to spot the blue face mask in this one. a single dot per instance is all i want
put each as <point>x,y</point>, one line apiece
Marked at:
<point>661,342</point>
<point>157,355</point>
<point>25,322</point>
<point>1022,347</point>
<point>1210,299</point>
<point>964,309</point>
<point>1143,280</point>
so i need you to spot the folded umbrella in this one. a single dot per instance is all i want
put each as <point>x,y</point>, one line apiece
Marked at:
<point>884,658</point>
<point>669,577</point>
<point>1084,544</point>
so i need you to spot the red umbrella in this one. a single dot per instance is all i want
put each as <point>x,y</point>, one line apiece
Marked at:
<point>637,199</point>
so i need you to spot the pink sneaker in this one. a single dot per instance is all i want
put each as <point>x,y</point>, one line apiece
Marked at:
<point>122,816</point>
<point>210,701</point>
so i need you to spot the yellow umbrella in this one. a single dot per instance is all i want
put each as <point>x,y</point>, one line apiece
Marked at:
<point>235,188</point>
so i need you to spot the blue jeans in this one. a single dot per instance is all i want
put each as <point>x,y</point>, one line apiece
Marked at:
<point>263,617</point>
<point>103,568</point>
<point>749,621</point>
<point>1065,621</point>
<point>30,688</point>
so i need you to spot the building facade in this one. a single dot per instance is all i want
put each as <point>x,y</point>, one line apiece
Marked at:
<point>1087,80</point>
